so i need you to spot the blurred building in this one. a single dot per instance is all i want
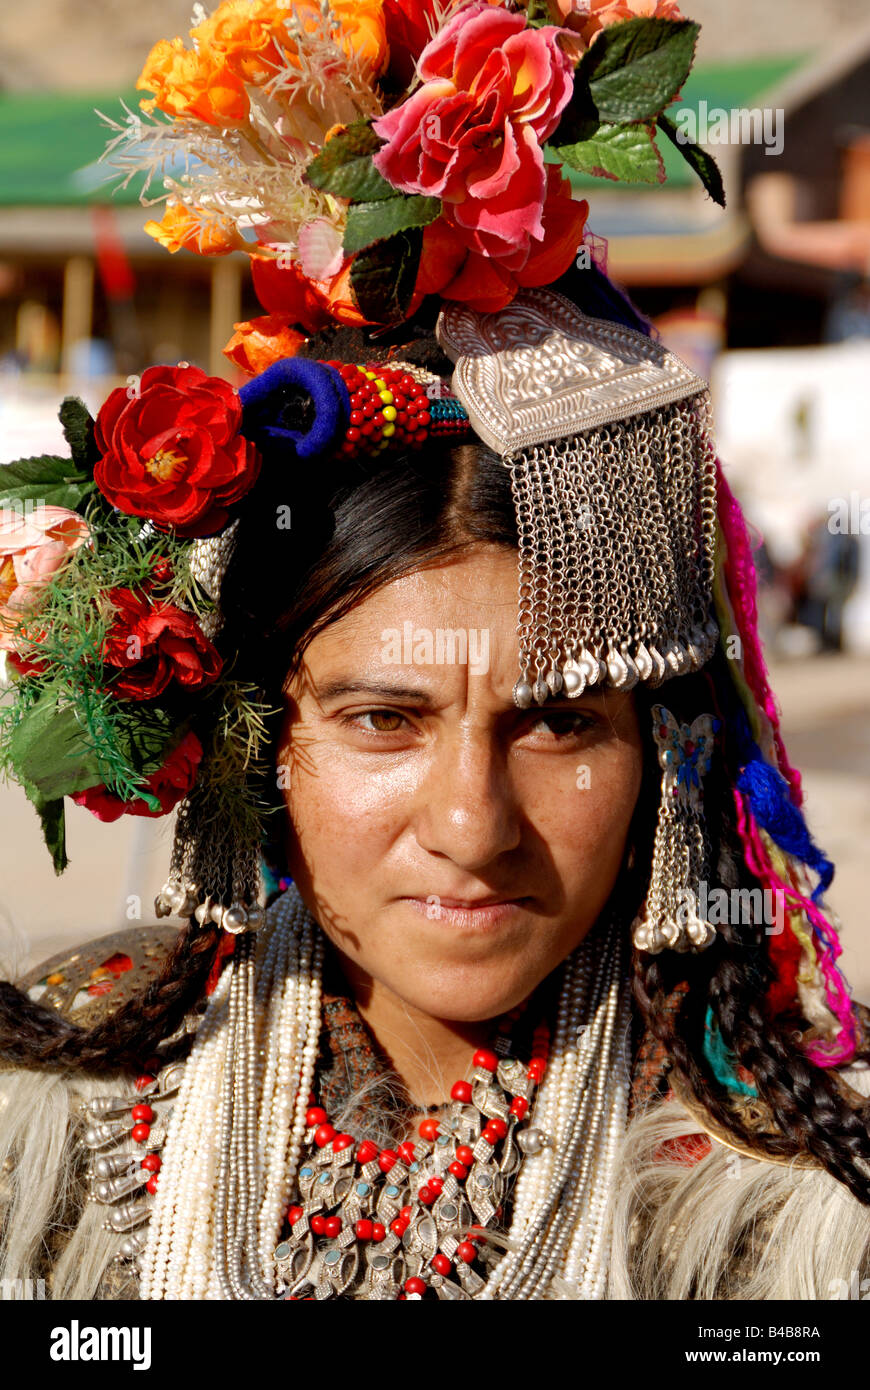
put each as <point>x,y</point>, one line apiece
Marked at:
<point>83,290</point>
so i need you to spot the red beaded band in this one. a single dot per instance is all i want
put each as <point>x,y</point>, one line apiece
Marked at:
<point>388,407</point>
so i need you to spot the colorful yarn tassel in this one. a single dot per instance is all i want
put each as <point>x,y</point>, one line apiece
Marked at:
<point>773,808</point>
<point>741,581</point>
<point>722,1063</point>
<point>841,1048</point>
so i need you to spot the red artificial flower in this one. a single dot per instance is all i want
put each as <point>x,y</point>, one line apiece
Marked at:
<point>24,667</point>
<point>170,784</point>
<point>173,453</point>
<point>409,25</point>
<point>154,644</point>
<point>456,265</point>
<point>285,289</point>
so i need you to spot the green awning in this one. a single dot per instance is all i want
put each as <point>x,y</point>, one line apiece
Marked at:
<point>50,143</point>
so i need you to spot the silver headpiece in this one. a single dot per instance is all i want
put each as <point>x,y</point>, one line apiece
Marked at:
<point>613,476</point>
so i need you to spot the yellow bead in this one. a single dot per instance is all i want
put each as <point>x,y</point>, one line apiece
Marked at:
<point>390,412</point>
<point>370,376</point>
<point>387,397</point>
<point>388,430</point>
<point>379,382</point>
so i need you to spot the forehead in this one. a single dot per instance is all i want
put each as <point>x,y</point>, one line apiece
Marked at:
<point>444,622</point>
<point>445,632</point>
<point>473,589</point>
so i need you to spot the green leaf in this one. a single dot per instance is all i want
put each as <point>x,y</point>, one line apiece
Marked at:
<point>146,742</point>
<point>370,222</point>
<point>51,814</point>
<point>47,479</point>
<point>537,13</point>
<point>703,163</point>
<point>344,166</point>
<point>627,152</point>
<point>78,429</point>
<point>383,277</point>
<point>635,69</point>
<point>52,755</point>
<point>49,754</point>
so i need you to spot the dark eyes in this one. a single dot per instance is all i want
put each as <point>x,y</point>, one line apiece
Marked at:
<point>559,724</point>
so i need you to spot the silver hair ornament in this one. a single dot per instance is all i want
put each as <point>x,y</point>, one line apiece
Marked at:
<point>613,475</point>
<point>207,863</point>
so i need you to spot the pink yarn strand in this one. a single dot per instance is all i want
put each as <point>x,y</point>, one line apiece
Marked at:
<point>825,941</point>
<point>742,587</point>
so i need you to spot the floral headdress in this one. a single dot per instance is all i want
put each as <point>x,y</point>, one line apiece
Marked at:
<point>367,154</point>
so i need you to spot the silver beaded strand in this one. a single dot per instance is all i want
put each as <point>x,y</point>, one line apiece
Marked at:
<point>208,1239</point>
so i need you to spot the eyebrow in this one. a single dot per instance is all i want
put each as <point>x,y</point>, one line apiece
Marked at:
<point>335,689</point>
<point>332,690</point>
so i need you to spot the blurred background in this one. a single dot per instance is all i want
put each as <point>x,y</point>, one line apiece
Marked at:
<point>770,300</point>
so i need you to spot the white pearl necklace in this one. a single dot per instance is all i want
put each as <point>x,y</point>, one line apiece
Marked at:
<point>556,1238</point>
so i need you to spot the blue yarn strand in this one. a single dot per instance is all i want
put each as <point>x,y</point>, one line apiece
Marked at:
<point>770,801</point>
<point>722,1063</point>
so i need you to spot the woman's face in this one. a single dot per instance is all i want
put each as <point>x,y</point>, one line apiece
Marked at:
<point>455,848</point>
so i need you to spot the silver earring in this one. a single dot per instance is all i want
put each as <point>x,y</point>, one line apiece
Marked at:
<point>670,916</point>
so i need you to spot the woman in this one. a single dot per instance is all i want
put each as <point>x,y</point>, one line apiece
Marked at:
<point>471,870</point>
<point>545,1006</point>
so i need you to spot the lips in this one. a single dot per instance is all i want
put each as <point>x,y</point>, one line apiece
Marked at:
<point>446,900</point>
<point>470,916</point>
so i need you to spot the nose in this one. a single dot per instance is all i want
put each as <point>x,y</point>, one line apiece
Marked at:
<point>468,811</point>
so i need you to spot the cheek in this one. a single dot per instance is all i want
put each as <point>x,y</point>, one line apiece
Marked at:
<point>584,813</point>
<point>339,810</point>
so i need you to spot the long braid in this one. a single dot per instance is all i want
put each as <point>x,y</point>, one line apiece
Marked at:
<point>805,1099</point>
<point>31,1035</point>
<point>733,978</point>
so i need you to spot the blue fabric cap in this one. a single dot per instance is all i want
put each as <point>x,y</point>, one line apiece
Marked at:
<point>273,416</point>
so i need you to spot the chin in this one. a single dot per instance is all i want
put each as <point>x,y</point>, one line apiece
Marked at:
<point>469,994</point>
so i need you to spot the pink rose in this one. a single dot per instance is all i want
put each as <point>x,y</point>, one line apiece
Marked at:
<point>588,17</point>
<point>493,91</point>
<point>33,547</point>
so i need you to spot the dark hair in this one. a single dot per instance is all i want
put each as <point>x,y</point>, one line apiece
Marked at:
<point>356,526</point>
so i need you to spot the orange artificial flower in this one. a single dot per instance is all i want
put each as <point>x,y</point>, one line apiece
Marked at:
<point>241,37</point>
<point>363,31</point>
<point>186,83</point>
<point>205,235</point>
<point>587,18</point>
<point>312,304</point>
<point>338,298</point>
<point>258,343</point>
